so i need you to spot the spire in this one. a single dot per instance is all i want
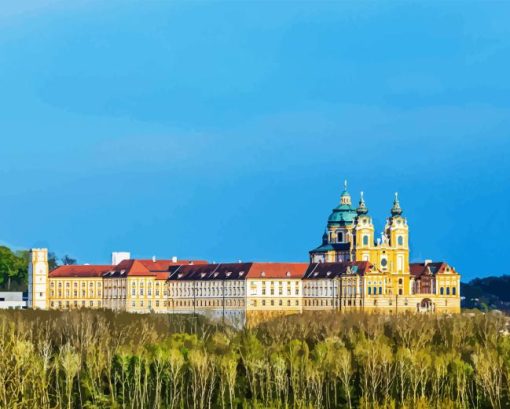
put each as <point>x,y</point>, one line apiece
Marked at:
<point>362,208</point>
<point>396,210</point>
<point>345,197</point>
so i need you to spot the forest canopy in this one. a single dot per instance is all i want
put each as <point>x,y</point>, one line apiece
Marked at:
<point>101,359</point>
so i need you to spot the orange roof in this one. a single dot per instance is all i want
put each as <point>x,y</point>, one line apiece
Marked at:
<point>136,268</point>
<point>79,271</point>
<point>164,265</point>
<point>277,270</point>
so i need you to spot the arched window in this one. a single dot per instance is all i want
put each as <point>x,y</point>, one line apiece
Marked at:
<point>400,240</point>
<point>369,290</point>
<point>380,290</point>
<point>365,240</point>
<point>454,291</point>
<point>447,290</point>
<point>339,237</point>
<point>441,291</point>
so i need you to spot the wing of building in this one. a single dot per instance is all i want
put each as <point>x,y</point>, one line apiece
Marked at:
<point>351,270</point>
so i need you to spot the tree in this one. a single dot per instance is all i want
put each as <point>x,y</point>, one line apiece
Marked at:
<point>68,261</point>
<point>12,267</point>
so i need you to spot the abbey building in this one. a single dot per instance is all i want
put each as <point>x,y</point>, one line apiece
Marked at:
<point>352,270</point>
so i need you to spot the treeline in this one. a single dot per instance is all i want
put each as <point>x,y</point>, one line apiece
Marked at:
<point>101,359</point>
<point>487,293</point>
<point>14,267</point>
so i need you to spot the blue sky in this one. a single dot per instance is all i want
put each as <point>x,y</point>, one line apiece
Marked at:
<point>224,131</point>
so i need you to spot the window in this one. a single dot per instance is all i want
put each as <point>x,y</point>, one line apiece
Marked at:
<point>380,290</point>
<point>400,281</point>
<point>369,290</point>
<point>447,290</point>
<point>400,240</point>
<point>454,291</point>
<point>365,240</point>
<point>339,237</point>
<point>441,291</point>
<point>263,302</point>
<point>400,291</point>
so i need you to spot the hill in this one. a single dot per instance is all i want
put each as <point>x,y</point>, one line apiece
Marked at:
<point>487,293</point>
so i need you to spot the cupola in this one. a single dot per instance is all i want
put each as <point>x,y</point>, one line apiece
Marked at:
<point>396,209</point>
<point>362,208</point>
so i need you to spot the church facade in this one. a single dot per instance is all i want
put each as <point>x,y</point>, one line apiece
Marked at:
<point>380,276</point>
<point>352,270</point>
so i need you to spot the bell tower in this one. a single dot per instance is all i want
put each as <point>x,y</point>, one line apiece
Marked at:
<point>364,231</point>
<point>38,270</point>
<point>397,232</point>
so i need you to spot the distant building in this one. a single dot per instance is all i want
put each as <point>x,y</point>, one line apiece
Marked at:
<point>12,300</point>
<point>351,270</point>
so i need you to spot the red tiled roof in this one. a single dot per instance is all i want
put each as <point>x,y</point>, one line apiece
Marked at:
<point>277,270</point>
<point>136,268</point>
<point>238,271</point>
<point>164,265</point>
<point>440,267</point>
<point>79,271</point>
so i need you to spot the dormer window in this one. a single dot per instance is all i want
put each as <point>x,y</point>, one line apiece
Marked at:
<point>263,274</point>
<point>287,273</point>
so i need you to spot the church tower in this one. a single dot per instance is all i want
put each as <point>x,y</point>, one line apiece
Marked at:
<point>38,270</point>
<point>397,232</point>
<point>364,233</point>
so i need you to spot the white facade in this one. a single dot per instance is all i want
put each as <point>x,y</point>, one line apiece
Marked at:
<point>11,299</point>
<point>119,256</point>
<point>38,279</point>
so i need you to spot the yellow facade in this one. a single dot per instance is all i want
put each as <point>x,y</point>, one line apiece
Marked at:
<point>352,270</point>
<point>395,285</point>
<point>74,292</point>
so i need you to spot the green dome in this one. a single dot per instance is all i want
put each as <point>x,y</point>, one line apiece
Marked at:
<point>343,214</point>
